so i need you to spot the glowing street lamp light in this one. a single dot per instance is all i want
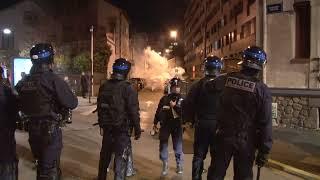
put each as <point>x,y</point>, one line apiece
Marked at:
<point>167,50</point>
<point>174,34</point>
<point>7,31</point>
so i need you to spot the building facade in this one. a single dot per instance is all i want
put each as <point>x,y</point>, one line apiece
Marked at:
<point>293,43</point>
<point>29,23</point>
<point>103,16</point>
<point>218,27</point>
<point>111,26</point>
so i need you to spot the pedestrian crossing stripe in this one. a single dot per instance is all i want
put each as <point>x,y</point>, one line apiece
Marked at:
<point>241,84</point>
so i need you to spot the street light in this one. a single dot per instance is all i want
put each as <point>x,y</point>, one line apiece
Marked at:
<point>174,34</point>
<point>7,31</point>
<point>167,50</point>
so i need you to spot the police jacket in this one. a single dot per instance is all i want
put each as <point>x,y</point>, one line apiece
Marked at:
<point>8,113</point>
<point>245,111</point>
<point>43,94</point>
<point>124,97</point>
<point>167,115</point>
<point>201,101</point>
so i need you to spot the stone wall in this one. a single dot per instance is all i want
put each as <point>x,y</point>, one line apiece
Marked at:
<point>295,111</point>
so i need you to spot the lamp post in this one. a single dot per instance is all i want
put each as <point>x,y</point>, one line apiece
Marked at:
<point>174,34</point>
<point>8,38</point>
<point>91,77</point>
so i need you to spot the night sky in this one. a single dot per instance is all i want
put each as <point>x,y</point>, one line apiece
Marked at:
<point>154,15</point>
<point>6,3</point>
<point>146,15</point>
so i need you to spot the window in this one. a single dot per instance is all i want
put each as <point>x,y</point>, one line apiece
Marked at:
<point>303,25</point>
<point>224,1</point>
<point>83,4</point>
<point>222,42</point>
<point>29,18</point>
<point>215,45</point>
<point>235,35</point>
<point>253,26</point>
<point>250,2</point>
<point>67,32</point>
<point>242,32</point>
<point>227,39</point>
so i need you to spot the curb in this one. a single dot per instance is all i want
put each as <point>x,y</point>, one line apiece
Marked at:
<point>292,170</point>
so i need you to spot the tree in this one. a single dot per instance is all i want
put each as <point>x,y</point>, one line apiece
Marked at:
<point>63,63</point>
<point>27,45</point>
<point>102,56</point>
<point>6,57</point>
<point>81,62</point>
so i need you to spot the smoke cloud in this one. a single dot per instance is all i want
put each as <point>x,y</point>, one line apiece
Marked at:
<point>154,68</point>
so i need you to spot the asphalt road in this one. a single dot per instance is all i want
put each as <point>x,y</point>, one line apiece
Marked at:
<point>82,143</point>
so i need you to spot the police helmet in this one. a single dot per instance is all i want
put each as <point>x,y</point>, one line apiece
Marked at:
<point>121,67</point>
<point>42,53</point>
<point>173,83</point>
<point>212,65</point>
<point>254,57</point>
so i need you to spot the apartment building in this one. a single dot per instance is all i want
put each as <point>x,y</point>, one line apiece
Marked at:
<point>218,27</point>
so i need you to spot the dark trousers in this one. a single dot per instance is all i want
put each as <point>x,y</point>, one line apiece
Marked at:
<point>243,153</point>
<point>203,139</point>
<point>9,170</point>
<point>114,142</point>
<point>176,134</point>
<point>46,148</point>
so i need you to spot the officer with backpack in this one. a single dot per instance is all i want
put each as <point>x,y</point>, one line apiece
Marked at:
<point>8,111</point>
<point>200,109</point>
<point>118,109</point>
<point>169,115</point>
<point>42,96</point>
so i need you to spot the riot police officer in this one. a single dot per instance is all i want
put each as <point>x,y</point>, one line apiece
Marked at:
<point>244,120</point>
<point>118,109</point>
<point>200,110</point>
<point>8,111</point>
<point>42,95</point>
<point>169,115</point>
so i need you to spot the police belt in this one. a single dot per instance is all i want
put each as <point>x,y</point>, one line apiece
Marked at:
<point>237,134</point>
<point>53,118</point>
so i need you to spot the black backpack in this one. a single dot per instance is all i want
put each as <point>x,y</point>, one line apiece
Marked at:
<point>111,104</point>
<point>36,100</point>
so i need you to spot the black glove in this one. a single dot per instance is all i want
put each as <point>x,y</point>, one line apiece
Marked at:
<point>261,159</point>
<point>137,133</point>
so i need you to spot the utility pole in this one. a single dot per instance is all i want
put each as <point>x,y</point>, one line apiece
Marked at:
<point>120,35</point>
<point>205,29</point>
<point>91,77</point>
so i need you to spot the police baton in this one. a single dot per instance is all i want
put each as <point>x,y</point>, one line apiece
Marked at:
<point>258,172</point>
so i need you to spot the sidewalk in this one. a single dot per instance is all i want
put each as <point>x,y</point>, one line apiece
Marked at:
<point>297,148</point>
